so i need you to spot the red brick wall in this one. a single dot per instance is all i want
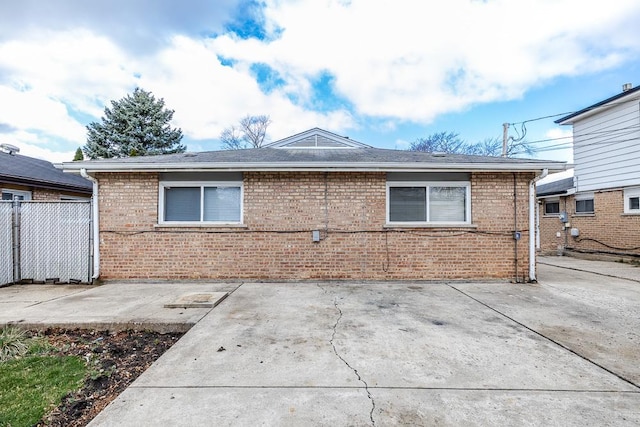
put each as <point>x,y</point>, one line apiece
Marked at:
<point>281,209</point>
<point>607,230</point>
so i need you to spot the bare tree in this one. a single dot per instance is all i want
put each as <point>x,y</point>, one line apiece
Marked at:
<point>231,138</point>
<point>450,142</point>
<point>251,132</point>
<point>443,142</point>
<point>486,147</point>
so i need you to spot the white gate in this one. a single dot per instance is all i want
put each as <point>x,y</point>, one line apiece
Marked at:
<point>51,241</point>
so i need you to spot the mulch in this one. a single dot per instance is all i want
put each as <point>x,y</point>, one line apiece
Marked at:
<point>114,359</point>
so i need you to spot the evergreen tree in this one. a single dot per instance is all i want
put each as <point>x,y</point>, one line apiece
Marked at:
<point>136,125</point>
<point>78,156</point>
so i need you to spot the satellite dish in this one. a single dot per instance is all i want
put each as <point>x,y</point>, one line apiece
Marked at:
<point>9,148</point>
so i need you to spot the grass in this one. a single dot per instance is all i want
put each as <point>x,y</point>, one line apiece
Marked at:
<point>31,381</point>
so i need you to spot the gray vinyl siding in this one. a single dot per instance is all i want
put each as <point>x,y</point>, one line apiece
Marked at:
<point>607,148</point>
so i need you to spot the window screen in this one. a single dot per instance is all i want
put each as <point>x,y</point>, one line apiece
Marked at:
<point>447,204</point>
<point>202,203</point>
<point>182,204</point>
<point>428,202</point>
<point>584,206</point>
<point>407,204</point>
<point>552,208</point>
<point>222,204</point>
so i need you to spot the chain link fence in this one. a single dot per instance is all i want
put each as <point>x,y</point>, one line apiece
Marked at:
<point>6,242</point>
<point>52,241</point>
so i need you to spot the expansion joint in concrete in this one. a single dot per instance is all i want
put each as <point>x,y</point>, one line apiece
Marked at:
<point>548,338</point>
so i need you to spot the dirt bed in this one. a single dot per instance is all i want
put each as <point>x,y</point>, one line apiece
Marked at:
<point>114,359</point>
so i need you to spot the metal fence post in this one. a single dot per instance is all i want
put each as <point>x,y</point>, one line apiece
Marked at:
<point>91,254</point>
<point>16,239</point>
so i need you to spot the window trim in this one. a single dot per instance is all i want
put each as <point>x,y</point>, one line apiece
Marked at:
<point>582,197</point>
<point>202,185</point>
<point>630,193</point>
<point>427,184</point>
<point>24,193</point>
<point>551,200</point>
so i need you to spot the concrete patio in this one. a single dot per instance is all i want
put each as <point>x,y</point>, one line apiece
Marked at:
<point>561,352</point>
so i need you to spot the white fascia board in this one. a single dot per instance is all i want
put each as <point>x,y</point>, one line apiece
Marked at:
<point>599,108</point>
<point>315,166</point>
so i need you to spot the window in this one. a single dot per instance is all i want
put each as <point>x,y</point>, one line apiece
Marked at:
<point>632,200</point>
<point>584,203</point>
<point>200,202</point>
<point>410,202</point>
<point>9,194</point>
<point>552,207</point>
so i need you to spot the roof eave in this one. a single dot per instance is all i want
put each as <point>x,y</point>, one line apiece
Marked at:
<point>596,108</point>
<point>316,166</point>
<point>28,182</point>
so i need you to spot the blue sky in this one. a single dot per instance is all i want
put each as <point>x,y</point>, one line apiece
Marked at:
<point>383,73</point>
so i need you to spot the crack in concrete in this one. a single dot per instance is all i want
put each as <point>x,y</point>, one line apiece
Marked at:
<point>335,351</point>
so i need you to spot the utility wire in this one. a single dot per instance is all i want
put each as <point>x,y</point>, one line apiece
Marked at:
<point>607,105</point>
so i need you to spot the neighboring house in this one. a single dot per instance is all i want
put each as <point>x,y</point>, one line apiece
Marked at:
<point>600,212</point>
<point>27,178</point>
<point>553,230</point>
<point>315,206</point>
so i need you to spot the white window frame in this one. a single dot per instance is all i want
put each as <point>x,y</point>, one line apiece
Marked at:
<point>202,185</point>
<point>551,200</point>
<point>427,184</point>
<point>581,197</point>
<point>25,194</point>
<point>630,193</point>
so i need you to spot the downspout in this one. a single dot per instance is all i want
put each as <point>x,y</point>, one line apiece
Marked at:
<point>515,226</point>
<point>532,224</point>
<point>96,224</point>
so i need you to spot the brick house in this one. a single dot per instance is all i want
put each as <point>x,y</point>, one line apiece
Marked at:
<point>598,210</point>
<point>315,206</point>
<point>28,178</point>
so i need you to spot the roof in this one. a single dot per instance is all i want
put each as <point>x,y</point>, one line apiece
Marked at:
<point>338,154</point>
<point>23,170</point>
<point>578,115</point>
<point>554,188</point>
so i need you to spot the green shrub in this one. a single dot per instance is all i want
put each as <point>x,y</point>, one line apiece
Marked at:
<point>14,343</point>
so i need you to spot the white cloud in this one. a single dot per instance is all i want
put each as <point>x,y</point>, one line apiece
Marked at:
<point>401,144</point>
<point>559,146</point>
<point>207,96</point>
<point>76,67</point>
<point>415,60</point>
<point>34,110</point>
<point>139,26</point>
<point>392,63</point>
<point>32,146</point>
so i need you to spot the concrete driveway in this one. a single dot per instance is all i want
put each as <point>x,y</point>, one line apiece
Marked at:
<point>562,352</point>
